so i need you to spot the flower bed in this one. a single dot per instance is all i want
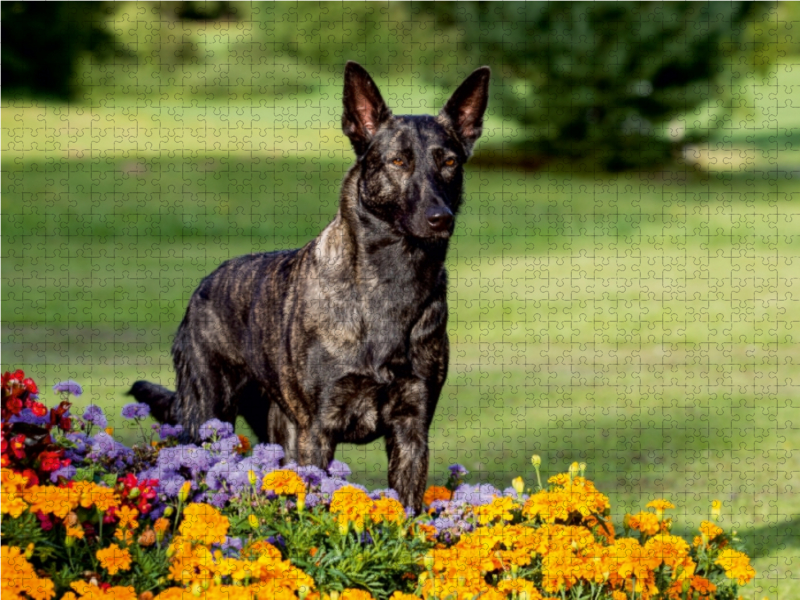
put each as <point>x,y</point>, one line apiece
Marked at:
<point>84,516</point>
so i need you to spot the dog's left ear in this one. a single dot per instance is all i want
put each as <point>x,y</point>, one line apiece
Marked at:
<point>464,110</point>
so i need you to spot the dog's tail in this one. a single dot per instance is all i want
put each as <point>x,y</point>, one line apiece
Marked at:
<point>157,397</point>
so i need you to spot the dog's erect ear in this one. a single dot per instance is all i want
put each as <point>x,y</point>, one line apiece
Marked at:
<point>364,109</point>
<point>464,110</point>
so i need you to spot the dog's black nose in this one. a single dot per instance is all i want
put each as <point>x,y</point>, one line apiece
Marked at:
<point>439,218</point>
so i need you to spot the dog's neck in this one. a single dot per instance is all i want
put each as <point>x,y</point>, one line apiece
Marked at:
<point>363,246</point>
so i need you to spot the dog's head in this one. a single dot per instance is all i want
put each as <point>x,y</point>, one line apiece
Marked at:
<point>412,166</point>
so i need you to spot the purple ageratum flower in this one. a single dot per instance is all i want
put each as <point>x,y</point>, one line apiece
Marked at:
<point>80,440</point>
<point>196,459</point>
<point>312,500</point>
<point>232,545</point>
<point>167,431</point>
<point>329,485</point>
<point>68,386</point>
<point>26,416</point>
<point>269,456</point>
<point>312,476</point>
<point>339,469</point>
<point>67,473</point>
<point>388,493</point>
<point>457,471</point>
<point>219,499</point>
<point>219,474</point>
<point>170,486</point>
<point>135,410</point>
<point>215,428</point>
<point>95,415</point>
<point>476,495</point>
<point>103,445</point>
<point>226,446</point>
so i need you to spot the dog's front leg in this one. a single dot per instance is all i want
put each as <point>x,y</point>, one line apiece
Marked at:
<point>407,443</point>
<point>315,447</point>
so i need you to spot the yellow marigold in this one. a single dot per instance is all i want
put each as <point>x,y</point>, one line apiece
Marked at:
<point>353,594</point>
<point>388,510</point>
<point>11,493</point>
<point>672,551</point>
<point>161,525</point>
<point>283,482</point>
<point>519,586</point>
<point>114,559</point>
<point>436,492</point>
<point>351,505</point>
<point>127,517</point>
<point>709,530</point>
<point>736,565</point>
<point>401,596</point>
<point>646,522</point>
<point>499,508</point>
<point>18,577</point>
<point>88,591</point>
<point>660,505</point>
<point>102,497</point>
<point>548,506</point>
<point>204,523</point>
<point>51,500</point>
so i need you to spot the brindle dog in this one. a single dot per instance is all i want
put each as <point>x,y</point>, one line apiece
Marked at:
<point>343,340</point>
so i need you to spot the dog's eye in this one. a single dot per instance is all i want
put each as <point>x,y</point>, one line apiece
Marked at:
<point>449,162</point>
<point>398,162</point>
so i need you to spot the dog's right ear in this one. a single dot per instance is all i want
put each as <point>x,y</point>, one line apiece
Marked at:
<point>364,109</point>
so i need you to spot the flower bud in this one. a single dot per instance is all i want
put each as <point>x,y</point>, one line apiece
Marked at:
<point>197,590</point>
<point>301,502</point>
<point>536,461</point>
<point>334,595</point>
<point>574,469</point>
<point>251,477</point>
<point>716,509</point>
<point>148,538</point>
<point>134,493</point>
<point>427,561</point>
<point>183,494</point>
<point>253,521</point>
<point>519,485</point>
<point>168,511</point>
<point>583,469</point>
<point>69,542</point>
<point>29,551</point>
<point>302,592</point>
<point>217,579</point>
<point>110,430</point>
<point>146,596</point>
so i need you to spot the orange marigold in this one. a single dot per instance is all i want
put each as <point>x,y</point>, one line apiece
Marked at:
<point>388,510</point>
<point>114,559</point>
<point>436,492</point>
<point>646,522</point>
<point>11,492</point>
<point>88,591</point>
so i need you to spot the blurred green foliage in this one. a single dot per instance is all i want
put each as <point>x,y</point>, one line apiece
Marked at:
<point>583,81</point>
<point>44,41</point>
<point>596,79</point>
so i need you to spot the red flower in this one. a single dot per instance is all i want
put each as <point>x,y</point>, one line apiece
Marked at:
<point>50,460</point>
<point>14,404</point>
<point>18,446</point>
<point>29,383</point>
<point>37,408</point>
<point>65,424</point>
<point>33,478</point>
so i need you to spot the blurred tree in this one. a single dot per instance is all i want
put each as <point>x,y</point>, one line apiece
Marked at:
<point>43,41</point>
<point>595,80</point>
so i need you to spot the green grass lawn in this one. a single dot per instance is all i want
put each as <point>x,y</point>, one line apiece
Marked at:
<point>642,323</point>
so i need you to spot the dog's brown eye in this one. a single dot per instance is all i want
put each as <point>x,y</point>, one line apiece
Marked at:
<point>398,162</point>
<point>450,162</point>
